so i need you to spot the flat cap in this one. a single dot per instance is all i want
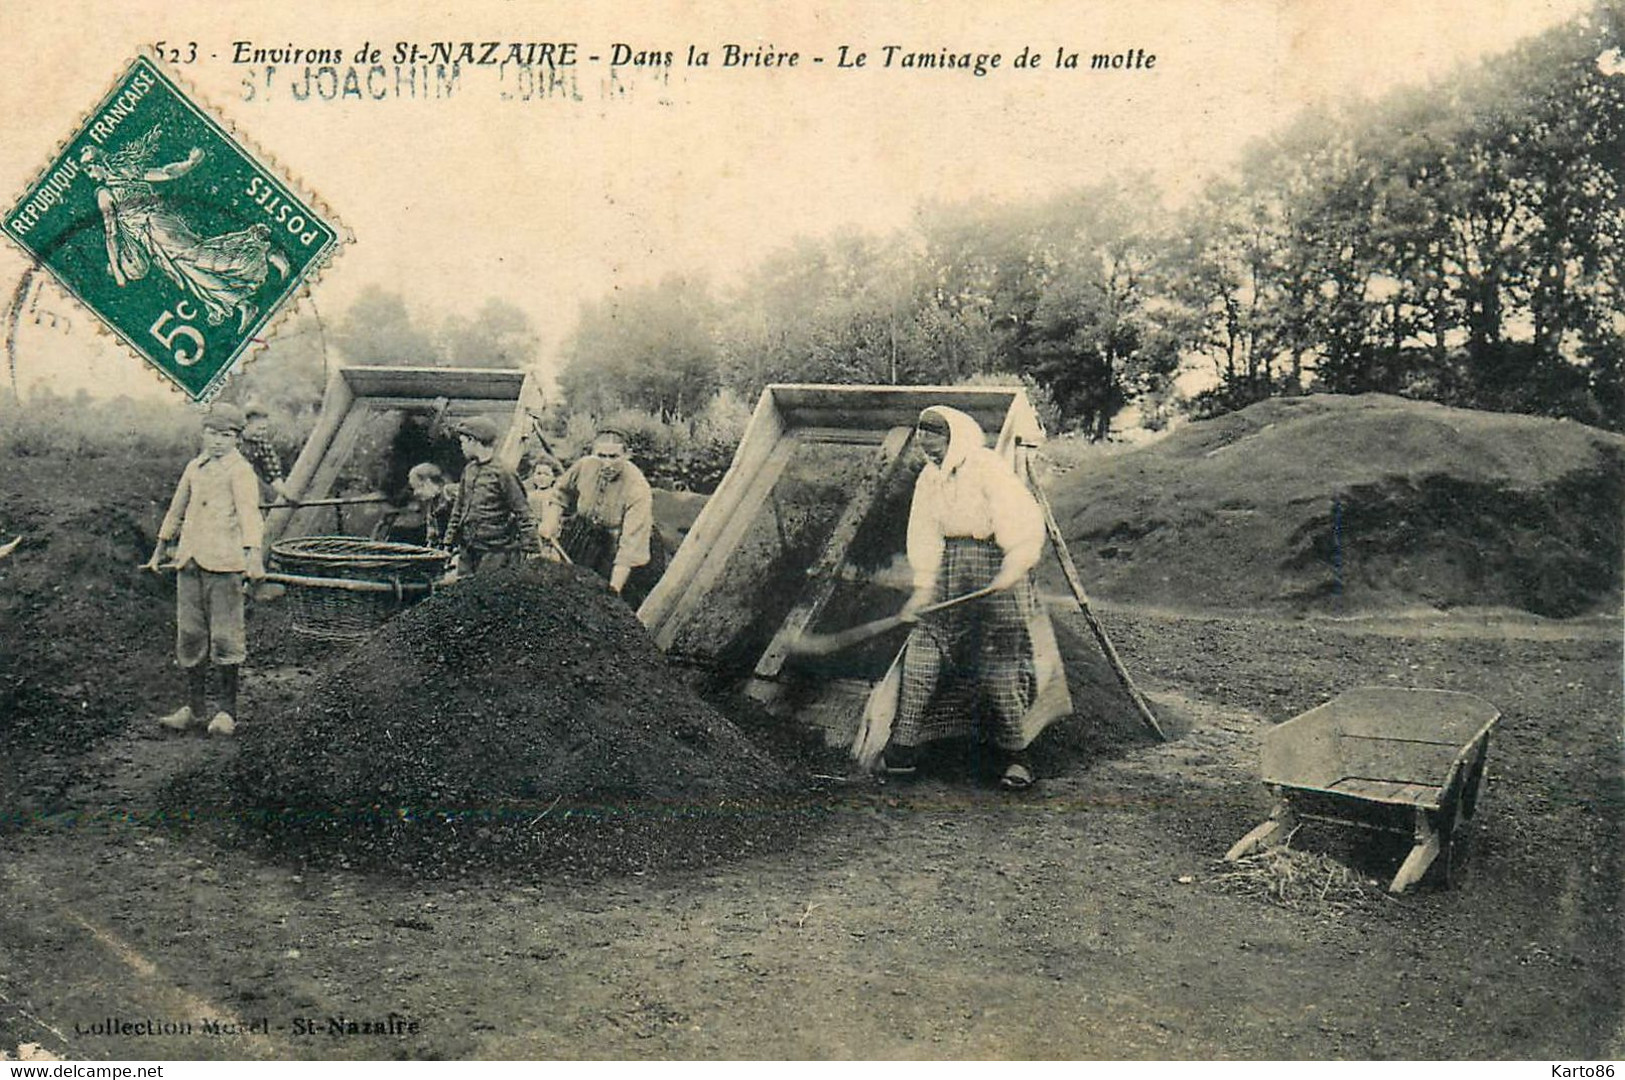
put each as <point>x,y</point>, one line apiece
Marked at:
<point>480,429</point>
<point>224,417</point>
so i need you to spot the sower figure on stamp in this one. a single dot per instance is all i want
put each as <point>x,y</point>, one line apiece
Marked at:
<point>211,536</point>
<point>611,527</point>
<point>973,526</point>
<point>491,525</point>
<point>221,272</point>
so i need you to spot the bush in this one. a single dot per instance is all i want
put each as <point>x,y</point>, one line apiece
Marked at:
<point>1039,395</point>
<point>680,455</point>
<point>82,427</point>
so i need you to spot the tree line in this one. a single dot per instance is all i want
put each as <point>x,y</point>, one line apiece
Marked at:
<point>1460,243</point>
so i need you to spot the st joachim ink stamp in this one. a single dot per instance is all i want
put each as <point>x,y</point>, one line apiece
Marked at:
<point>161,223</point>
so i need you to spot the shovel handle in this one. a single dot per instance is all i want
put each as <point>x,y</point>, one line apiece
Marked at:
<point>953,601</point>
<point>824,644</point>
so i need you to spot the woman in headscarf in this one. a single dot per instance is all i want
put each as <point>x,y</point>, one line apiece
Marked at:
<point>973,525</point>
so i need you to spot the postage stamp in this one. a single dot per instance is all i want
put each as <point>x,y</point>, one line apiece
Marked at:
<point>168,229</point>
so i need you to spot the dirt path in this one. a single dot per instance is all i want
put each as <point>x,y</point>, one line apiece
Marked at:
<point>936,919</point>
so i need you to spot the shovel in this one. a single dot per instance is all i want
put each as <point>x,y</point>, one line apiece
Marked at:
<point>825,644</point>
<point>558,549</point>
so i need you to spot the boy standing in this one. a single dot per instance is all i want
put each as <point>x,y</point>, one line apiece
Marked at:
<point>255,446</point>
<point>211,536</point>
<point>491,524</point>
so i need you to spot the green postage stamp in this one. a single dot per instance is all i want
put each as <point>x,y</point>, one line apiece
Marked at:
<point>160,222</point>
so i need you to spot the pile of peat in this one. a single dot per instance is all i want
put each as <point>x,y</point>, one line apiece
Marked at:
<point>517,719</point>
<point>1340,505</point>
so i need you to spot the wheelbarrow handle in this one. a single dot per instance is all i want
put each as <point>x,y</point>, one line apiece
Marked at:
<point>346,584</point>
<point>347,500</point>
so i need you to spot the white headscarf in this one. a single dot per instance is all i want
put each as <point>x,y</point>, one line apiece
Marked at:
<point>964,434</point>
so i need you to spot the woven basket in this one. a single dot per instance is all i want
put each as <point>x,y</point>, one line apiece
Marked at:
<point>395,575</point>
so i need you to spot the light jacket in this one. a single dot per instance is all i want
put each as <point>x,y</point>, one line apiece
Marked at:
<point>617,499</point>
<point>215,513</point>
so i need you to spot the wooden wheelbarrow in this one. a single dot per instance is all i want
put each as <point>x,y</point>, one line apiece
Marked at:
<point>1391,760</point>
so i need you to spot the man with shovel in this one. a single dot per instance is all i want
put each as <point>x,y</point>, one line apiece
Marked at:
<point>974,532</point>
<point>611,529</point>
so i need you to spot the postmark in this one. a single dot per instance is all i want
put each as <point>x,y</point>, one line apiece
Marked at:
<point>178,238</point>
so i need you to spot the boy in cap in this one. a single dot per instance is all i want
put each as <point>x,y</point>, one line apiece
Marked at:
<point>611,531</point>
<point>491,525</point>
<point>433,494</point>
<point>255,446</point>
<point>211,536</point>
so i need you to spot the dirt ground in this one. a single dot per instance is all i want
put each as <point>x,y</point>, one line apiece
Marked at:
<point>940,918</point>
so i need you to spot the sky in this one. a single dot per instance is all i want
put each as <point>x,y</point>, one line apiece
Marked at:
<point>619,177</point>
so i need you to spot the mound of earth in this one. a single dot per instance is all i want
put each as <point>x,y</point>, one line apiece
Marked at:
<point>1334,504</point>
<point>521,717</point>
<point>86,639</point>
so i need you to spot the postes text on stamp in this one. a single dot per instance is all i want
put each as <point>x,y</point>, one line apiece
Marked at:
<point>160,222</point>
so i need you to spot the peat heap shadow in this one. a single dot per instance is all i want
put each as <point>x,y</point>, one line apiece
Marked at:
<point>518,719</point>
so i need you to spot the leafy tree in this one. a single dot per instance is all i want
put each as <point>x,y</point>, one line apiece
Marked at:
<point>378,329</point>
<point>289,377</point>
<point>499,335</point>
<point>649,348</point>
<point>1092,340</point>
<point>1221,286</point>
<point>1460,242</point>
<point>840,311</point>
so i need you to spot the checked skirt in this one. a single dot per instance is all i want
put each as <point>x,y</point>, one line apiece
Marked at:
<point>968,670</point>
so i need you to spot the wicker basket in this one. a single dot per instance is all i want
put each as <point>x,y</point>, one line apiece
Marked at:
<point>343,587</point>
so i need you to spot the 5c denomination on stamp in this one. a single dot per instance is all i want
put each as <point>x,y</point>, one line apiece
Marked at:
<point>161,223</point>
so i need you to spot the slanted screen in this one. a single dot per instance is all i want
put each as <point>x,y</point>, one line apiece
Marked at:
<point>766,573</point>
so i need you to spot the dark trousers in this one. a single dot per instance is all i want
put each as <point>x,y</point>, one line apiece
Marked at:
<point>471,561</point>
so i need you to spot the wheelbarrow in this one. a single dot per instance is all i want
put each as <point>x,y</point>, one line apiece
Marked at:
<point>1386,759</point>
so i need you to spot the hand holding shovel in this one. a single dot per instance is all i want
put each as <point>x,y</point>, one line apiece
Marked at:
<point>159,562</point>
